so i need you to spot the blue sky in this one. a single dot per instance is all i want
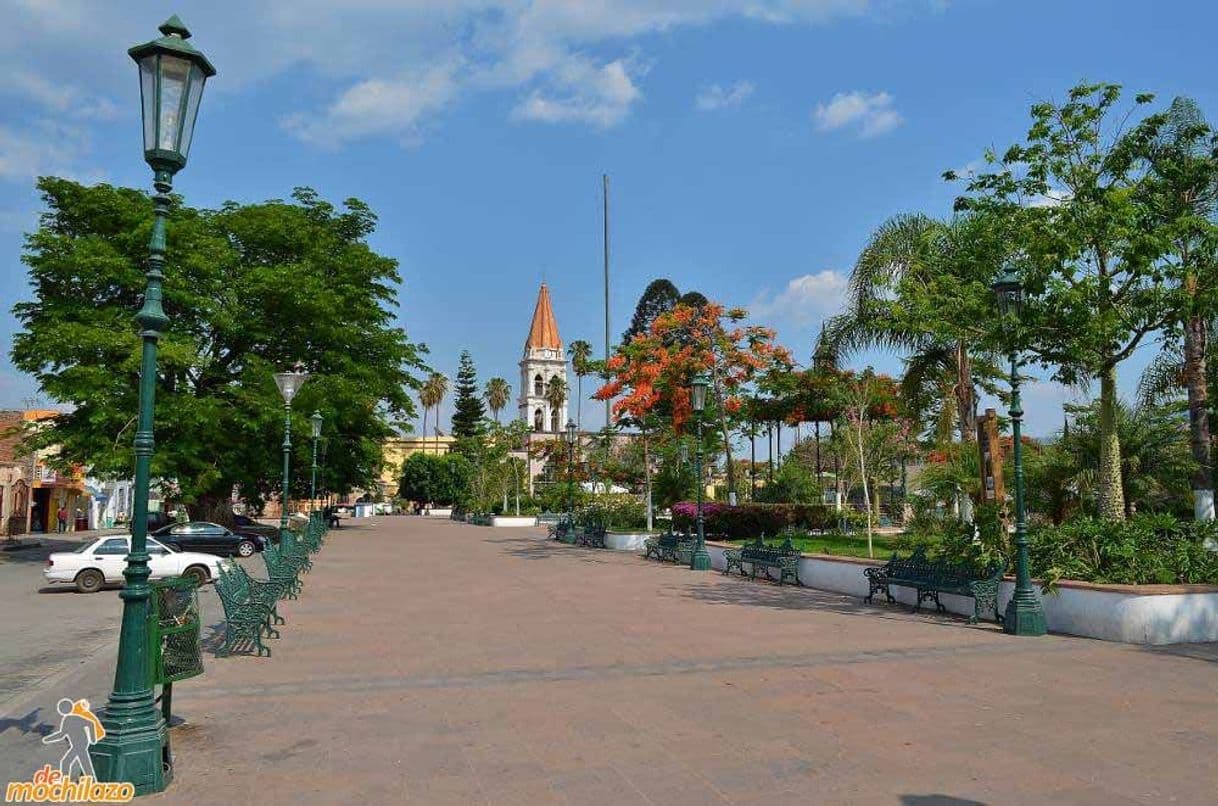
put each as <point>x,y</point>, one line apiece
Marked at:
<point>751,145</point>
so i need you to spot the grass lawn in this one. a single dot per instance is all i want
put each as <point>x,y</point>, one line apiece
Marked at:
<point>843,545</point>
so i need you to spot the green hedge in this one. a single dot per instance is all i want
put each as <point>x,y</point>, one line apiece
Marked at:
<point>755,519</point>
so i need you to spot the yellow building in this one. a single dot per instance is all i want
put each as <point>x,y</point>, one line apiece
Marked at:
<point>395,452</point>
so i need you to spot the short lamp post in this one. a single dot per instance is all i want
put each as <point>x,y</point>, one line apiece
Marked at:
<point>135,747</point>
<point>700,560</point>
<point>289,384</point>
<point>1024,615</point>
<point>315,421</point>
<point>571,436</point>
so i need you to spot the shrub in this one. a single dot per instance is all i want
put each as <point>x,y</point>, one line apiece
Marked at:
<point>1147,549</point>
<point>621,511</point>
<point>753,519</point>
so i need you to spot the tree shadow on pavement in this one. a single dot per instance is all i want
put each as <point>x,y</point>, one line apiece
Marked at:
<point>1204,652</point>
<point>27,724</point>
<point>938,800</point>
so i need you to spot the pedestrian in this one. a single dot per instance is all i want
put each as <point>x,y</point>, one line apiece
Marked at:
<point>63,518</point>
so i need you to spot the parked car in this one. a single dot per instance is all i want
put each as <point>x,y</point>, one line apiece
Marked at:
<point>209,537</point>
<point>102,561</point>
<point>156,520</point>
<point>246,525</point>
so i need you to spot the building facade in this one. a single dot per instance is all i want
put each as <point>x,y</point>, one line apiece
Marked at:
<point>543,360</point>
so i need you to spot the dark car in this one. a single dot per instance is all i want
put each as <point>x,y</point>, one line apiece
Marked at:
<point>156,520</point>
<point>245,525</point>
<point>209,538</point>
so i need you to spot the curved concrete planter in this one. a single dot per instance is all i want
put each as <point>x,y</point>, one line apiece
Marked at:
<point>513,521</point>
<point>625,541</point>
<point>1132,614</point>
<point>439,513</point>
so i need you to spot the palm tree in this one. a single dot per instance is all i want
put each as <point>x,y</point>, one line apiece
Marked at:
<point>556,396</point>
<point>427,399</point>
<point>432,395</point>
<point>498,393</point>
<point>580,352</point>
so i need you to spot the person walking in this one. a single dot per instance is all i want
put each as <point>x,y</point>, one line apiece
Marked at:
<point>63,518</point>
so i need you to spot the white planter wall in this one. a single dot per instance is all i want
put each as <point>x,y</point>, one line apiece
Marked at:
<point>439,513</point>
<point>625,542</point>
<point>513,521</point>
<point>1110,613</point>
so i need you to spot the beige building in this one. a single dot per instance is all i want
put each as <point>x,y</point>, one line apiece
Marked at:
<point>395,452</point>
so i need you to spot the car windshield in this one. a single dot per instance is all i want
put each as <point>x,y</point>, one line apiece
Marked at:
<point>157,544</point>
<point>83,547</point>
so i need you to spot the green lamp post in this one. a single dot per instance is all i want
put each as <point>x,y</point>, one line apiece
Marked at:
<point>136,745</point>
<point>699,560</point>
<point>289,384</point>
<point>1024,614</point>
<point>571,436</point>
<point>316,421</point>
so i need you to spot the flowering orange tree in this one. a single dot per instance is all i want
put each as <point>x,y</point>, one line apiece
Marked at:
<point>652,373</point>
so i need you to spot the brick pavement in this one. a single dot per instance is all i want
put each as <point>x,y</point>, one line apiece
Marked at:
<point>433,662</point>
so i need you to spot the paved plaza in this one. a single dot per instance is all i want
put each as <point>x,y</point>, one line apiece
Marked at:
<point>432,662</point>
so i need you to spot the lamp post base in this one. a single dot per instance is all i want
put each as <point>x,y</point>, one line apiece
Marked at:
<point>134,753</point>
<point>1024,615</point>
<point>700,561</point>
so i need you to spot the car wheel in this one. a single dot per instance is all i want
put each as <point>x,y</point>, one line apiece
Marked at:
<point>245,548</point>
<point>90,580</point>
<point>197,574</point>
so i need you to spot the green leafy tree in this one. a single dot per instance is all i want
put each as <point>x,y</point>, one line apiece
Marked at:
<point>469,413</point>
<point>249,289</point>
<point>658,297</point>
<point>419,478</point>
<point>498,394</point>
<point>1070,198</point>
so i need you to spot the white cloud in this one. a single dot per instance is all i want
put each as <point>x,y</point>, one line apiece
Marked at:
<point>873,114</point>
<point>581,92</point>
<point>43,147</point>
<point>804,301</point>
<point>715,96</point>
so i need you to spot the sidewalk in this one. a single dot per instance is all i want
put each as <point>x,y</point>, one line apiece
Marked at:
<point>435,662</point>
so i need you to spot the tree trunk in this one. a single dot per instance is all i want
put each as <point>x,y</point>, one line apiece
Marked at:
<point>863,477</point>
<point>647,477</point>
<point>579,401</point>
<point>1196,337</point>
<point>214,506</point>
<point>1110,494</point>
<point>966,396</point>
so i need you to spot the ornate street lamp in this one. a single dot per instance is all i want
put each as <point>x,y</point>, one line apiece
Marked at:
<point>1024,615</point>
<point>289,384</point>
<point>136,745</point>
<point>700,560</point>
<point>571,436</point>
<point>316,421</point>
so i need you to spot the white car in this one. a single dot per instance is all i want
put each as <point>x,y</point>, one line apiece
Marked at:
<point>102,561</point>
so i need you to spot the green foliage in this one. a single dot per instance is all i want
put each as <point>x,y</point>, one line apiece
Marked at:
<point>619,512</point>
<point>249,289</point>
<point>440,480</point>
<point>793,484</point>
<point>1147,549</point>
<point>754,520</point>
<point>469,412</point>
<point>659,296</point>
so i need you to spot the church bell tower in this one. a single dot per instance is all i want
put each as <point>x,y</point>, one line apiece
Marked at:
<point>543,359</point>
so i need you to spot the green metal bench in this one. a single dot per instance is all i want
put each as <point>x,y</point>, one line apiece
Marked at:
<point>930,578</point>
<point>562,530</point>
<point>758,556</point>
<point>669,547</point>
<point>245,616</point>
<point>281,570</point>
<point>591,536</point>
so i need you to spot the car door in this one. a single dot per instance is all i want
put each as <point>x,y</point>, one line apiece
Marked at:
<point>161,562</point>
<point>110,557</point>
<point>188,536</point>
<point>216,539</point>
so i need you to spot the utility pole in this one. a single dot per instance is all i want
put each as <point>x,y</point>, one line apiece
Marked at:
<point>605,218</point>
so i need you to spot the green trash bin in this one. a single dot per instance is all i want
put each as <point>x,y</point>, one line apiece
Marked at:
<point>174,651</point>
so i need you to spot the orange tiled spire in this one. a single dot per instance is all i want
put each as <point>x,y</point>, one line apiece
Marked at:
<point>544,331</point>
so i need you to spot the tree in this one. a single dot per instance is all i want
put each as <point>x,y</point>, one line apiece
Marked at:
<point>431,395</point>
<point>659,297</point>
<point>419,478</point>
<point>693,299</point>
<point>654,371</point>
<point>468,411</point>
<point>498,394</point>
<point>249,289</point>
<point>1071,200</point>
<point>1181,195</point>
<point>580,352</point>
<point>556,395</point>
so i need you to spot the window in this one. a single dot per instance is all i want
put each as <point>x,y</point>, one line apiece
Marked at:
<point>538,387</point>
<point>539,421</point>
<point>554,421</point>
<point>115,545</point>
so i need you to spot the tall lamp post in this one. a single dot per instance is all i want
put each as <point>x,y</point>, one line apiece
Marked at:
<point>700,560</point>
<point>1024,615</point>
<point>571,436</point>
<point>136,745</point>
<point>289,384</point>
<point>316,421</point>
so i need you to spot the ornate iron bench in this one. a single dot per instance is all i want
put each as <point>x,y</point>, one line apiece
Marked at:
<point>246,615</point>
<point>758,555</point>
<point>929,578</point>
<point>562,530</point>
<point>669,547</point>
<point>591,536</point>
<point>282,571</point>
